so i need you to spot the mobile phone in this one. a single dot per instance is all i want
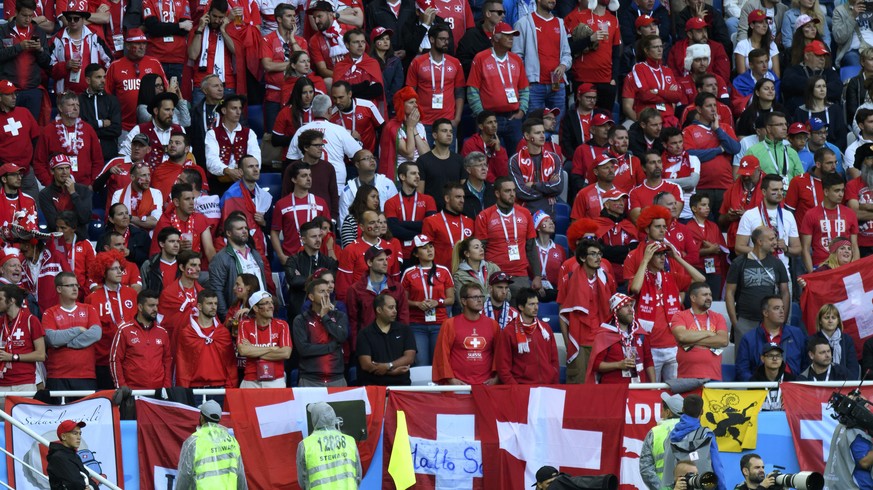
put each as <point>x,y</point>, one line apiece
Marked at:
<point>174,81</point>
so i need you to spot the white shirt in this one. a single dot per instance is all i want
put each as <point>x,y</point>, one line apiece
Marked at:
<point>383,184</point>
<point>157,198</point>
<point>786,228</point>
<point>162,134</point>
<point>338,143</point>
<point>213,160</point>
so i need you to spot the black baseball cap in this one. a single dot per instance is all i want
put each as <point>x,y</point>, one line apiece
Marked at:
<point>546,473</point>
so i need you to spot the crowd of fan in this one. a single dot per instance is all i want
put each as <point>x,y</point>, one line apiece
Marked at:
<point>729,177</point>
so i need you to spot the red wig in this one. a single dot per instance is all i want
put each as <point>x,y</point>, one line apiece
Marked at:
<point>579,229</point>
<point>400,98</point>
<point>651,213</point>
<point>103,261</point>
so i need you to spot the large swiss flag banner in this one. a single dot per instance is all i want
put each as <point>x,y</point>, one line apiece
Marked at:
<point>446,454</point>
<point>268,424</point>
<point>643,412</point>
<point>811,423</point>
<point>576,428</point>
<point>850,289</point>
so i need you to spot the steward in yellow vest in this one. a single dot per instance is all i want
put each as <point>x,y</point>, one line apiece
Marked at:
<point>327,459</point>
<point>210,457</point>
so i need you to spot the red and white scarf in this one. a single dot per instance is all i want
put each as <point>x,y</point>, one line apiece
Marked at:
<point>659,290</point>
<point>228,149</point>
<point>70,147</point>
<point>524,332</point>
<point>333,35</point>
<point>548,167</point>
<point>676,167</point>
<point>218,60</point>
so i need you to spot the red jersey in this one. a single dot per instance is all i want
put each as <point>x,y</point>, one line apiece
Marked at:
<point>823,225</point>
<point>537,365</point>
<point>364,118</point>
<point>710,232</point>
<point>79,142</point>
<point>857,190</point>
<point>9,206</point>
<point>195,225</point>
<point>640,83</point>
<point>45,8</point>
<point>273,48</point>
<point>588,202</point>
<point>465,350</point>
<point>551,259</point>
<point>638,347</point>
<point>119,180</point>
<point>716,173</point>
<point>168,271</point>
<point>446,229</point>
<point>436,84</point>
<point>548,40</point>
<point>413,207</point>
<point>168,49</point>
<point>18,337</point>
<point>18,129</point>
<point>594,66</point>
<point>499,81</point>
<point>737,197</point>
<point>699,362</point>
<point>140,358</point>
<point>416,283</point>
<point>176,306</point>
<point>506,235</point>
<point>79,257</point>
<point>276,334</point>
<point>804,193</point>
<point>643,196</point>
<point>114,309</point>
<point>458,15</point>
<point>167,173</point>
<point>319,49</point>
<point>227,75</point>
<point>290,213</point>
<point>498,161</point>
<point>122,80</point>
<point>584,158</point>
<point>584,303</point>
<point>365,69</point>
<point>352,266</point>
<point>66,362</point>
<point>205,356</point>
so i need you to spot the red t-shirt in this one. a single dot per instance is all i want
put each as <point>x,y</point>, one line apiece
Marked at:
<point>548,45</point>
<point>365,119</point>
<point>415,283</point>
<point>495,78</point>
<point>66,362</point>
<point>716,173</point>
<point>643,196</point>
<point>273,48</point>
<point>446,229</point>
<point>275,334</point>
<point>584,158</point>
<point>588,203</point>
<point>122,80</point>
<point>824,225</point>
<point>615,353</point>
<point>409,208</point>
<point>642,79</point>
<point>712,234</point>
<point>594,66</point>
<point>168,271</point>
<point>458,15</point>
<point>507,236</point>
<point>19,335</point>
<point>18,129</point>
<point>294,213</point>
<point>551,259</point>
<point>196,224</point>
<point>699,362</point>
<point>429,78</point>
<point>856,189</point>
<point>804,193</point>
<point>113,310</point>
<point>465,350</point>
<point>170,49</point>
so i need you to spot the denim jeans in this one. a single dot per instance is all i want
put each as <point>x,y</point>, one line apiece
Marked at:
<point>425,342</point>
<point>31,100</point>
<point>509,131</point>
<point>271,110</point>
<point>542,96</point>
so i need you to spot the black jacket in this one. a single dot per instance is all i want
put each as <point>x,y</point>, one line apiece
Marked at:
<point>150,272</point>
<point>379,14</point>
<point>65,468</point>
<point>138,244</point>
<point>717,29</point>
<point>637,142</point>
<point>794,80</point>
<point>627,15</point>
<point>102,106</point>
<point>82,204</point>
<point>197,132</point>
<point>571,133</point>
<point>472,43</point>
<point>8,67</point>
<point>413,33</point>
<point>298,269</point>
<point>473,206</point>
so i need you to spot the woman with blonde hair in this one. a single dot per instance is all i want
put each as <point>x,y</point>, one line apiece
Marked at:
<point>829,326</point>
<point>795,16</point>
<point>469,264</point>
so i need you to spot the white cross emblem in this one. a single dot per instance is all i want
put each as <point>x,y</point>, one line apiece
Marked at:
<point>647,299</point>
<point>454,437</point>
<point>671,300</point>
<point>18,334</point>
<point>544,440</point>
<point>857,304</point>
<point>475,342</point>
<point>12,126</point>
<point>820,430</point>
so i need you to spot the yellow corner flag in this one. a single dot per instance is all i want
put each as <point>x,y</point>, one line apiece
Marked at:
<point>400,467</point>
<point>733,417</point>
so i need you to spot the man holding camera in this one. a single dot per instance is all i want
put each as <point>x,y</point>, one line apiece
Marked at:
<point>752,467</point>
<point>681,472</point>
<point>850,459</point>
<point>689,439</point>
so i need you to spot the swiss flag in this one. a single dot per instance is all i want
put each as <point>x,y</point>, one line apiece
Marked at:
<point>809,417</point>
<point>850,289</point>
<point>445,451</point>
<point>268,424</point>
<point>643,413</point>
<point>523,428</point>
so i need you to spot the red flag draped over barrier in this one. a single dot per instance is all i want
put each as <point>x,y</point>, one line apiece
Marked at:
<point>270,423</point>
<point>850,288</point>
<point>523,428</point>
<point>811,423</point>
<point>445,452</point>
<point>642,413</point>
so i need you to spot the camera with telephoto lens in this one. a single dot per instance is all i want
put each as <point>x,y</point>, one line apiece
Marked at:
<point>803,480</point>
<point>701,481</point>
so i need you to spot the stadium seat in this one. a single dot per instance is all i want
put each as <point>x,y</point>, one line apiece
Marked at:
<point>273,182</point>
<point>562,241</point>
<point>421,376</point>
<point>549,313</point>
<point>95,230</point>
<point>256,119</point>
<point>728,372</point>
<point>562,224</point>
<point>721,308</point>
<point>566,179</point>
<point>562,209</point>
<point>848,72</point>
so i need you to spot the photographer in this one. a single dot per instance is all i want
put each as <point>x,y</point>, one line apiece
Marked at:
<point>689,439</point>
<point>850,459</point>
<point>752,467</point>
<point>682,469</point>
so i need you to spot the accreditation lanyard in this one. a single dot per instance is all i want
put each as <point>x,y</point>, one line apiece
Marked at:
<point>698,323</point>
<point>428,290</point>
<point>449,230</point>
<point>774,159</point>
<point>414,206</point>
<point>544,256</point>
<point>660,82</point>
<point>766,271</point>
<point>109,304</point>
<point>442,65</point>
<point>343,119</point>
<point>310,206</point>
<point>812,187</point>
<point>7,333</point>
<point>514,226</point>
<point>830,228</point>
<point>257,334</point>
<point>508,68</point>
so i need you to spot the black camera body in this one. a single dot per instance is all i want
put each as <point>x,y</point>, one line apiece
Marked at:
<point>851,410</point>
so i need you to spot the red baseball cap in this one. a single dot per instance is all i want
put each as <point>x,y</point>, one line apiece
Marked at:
<point>645,20</point>
<point>696,23</point>
<point>586,88</point>
<point>67,426</point>
<point>423,5</point>
<point>604,160</point>
<point>748,165</point>
<point>7,87</point>
<point>798,128</point>
<point>135,36</point>
<point>504,28</point>
<point>816,47</point>
<point>553,110</point>
<point>758,16</point>
<point>601,119</point>
<point>379,32</point>
<point>9,168</point>
<point>613,194</point>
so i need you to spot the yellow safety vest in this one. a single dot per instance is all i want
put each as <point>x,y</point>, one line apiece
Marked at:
<point>216,458</point>
<point>659,437</point>
<point>331,460</point>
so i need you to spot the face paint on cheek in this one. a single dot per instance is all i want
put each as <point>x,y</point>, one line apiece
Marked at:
<point>191,270</point>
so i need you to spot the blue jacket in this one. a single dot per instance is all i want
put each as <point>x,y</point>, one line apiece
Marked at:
<point>687,425</point>
<point>749,354</point>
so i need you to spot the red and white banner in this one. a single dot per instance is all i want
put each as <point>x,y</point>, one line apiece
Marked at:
<point>523,428</point>
<point>101,437</point>
<point>812,426</point>
<point>446,454</point>
<point>161,428</point>
<point>270,423</point>
<point>850,289</point>
<point>643,412</point>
